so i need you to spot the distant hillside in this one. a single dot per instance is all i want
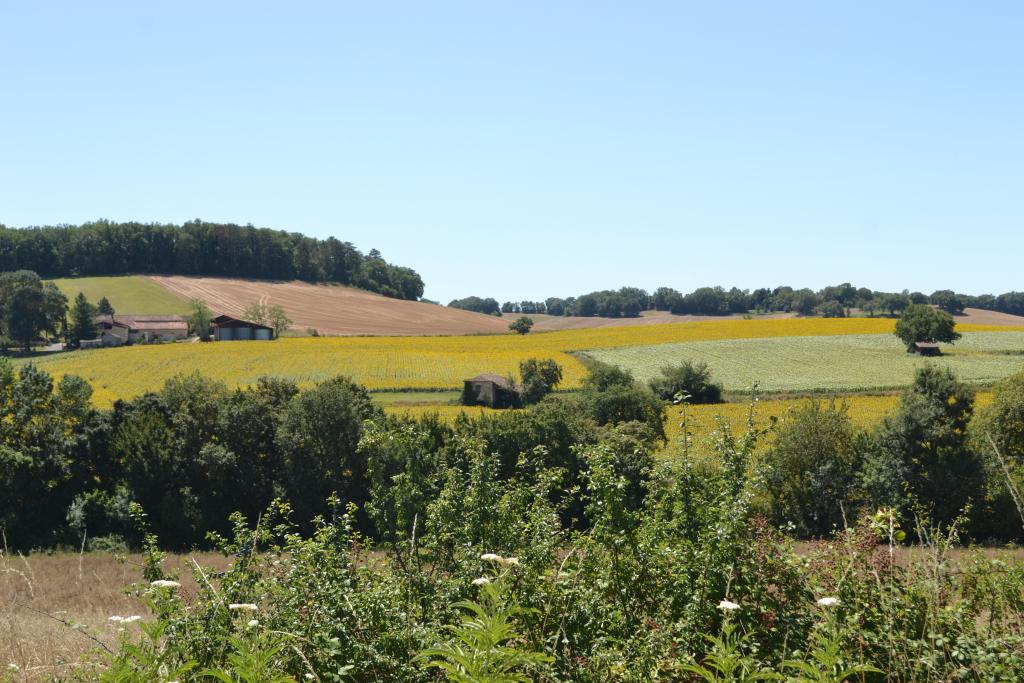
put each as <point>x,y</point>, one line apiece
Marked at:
<point>332,309</point>
<point>199,248</point>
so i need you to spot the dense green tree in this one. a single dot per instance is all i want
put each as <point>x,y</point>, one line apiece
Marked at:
<point>893,303</point>
<point>199,320</point>
<point>922,323</point>
<point>83,321</point>
<point>611,395</point>
<point>521,325</point>
<point>44,432</point>
<point>690,379</point>
<point>811,467</point>
<point>29,307</point>
<point>922,449</point>
<point>103,307</point>
<point>318,437</point>
<point>997,434</point>
<point>664,298</point>
<point>830,309</point>
<point>947,300</point>
<point>488,306</point>
<point>539,378</point>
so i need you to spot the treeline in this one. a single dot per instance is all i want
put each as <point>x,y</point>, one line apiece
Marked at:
<point>476,304</point>
<point>200,248</point>
<point>196,451</point>
<point>833,301</point>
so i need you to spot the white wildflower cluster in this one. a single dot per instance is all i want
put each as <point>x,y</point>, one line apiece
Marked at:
<point>504,561</point>
<point>125,620</point>
<point>482,581</point>
<point>729,606</point>
<point>164,583</point>
<point>242,607</point>
<point>253,623</point>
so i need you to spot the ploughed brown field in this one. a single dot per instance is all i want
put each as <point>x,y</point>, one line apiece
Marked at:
<point>333,309</point>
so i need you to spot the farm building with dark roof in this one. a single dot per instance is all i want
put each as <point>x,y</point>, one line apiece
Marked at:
<point>229,328</point>
<point>493,391</point>
<point>924,348</point>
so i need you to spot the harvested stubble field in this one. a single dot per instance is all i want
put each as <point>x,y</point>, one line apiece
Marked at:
<point>332,309</point>
<point>396,363</point>
<point>82,590</point>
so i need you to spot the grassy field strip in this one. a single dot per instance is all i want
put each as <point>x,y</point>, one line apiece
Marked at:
<point>846,363</point>
<point>396,363</point>
<point>127,294</point>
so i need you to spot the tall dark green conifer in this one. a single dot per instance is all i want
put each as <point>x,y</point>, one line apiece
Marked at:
<point>83,323</point>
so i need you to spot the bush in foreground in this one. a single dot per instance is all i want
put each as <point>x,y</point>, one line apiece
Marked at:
<point>487,584</point>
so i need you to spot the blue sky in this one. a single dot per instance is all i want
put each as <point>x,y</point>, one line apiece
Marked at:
<point>524,150</point>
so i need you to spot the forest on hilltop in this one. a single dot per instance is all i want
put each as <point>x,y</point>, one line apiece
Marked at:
<point>200,248</point>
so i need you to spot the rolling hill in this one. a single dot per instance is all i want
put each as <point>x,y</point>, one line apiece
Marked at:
<point>339,310</point>
<point>331,309</point>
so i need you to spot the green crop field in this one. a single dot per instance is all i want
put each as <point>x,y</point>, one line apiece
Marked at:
<point>127,293</point>
<point>827,363</point>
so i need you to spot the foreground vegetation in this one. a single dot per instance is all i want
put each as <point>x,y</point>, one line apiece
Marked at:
<point>391,363</point>
<point>553,543</point>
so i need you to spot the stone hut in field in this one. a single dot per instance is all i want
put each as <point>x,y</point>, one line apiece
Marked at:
<point>229,328</point>
<point>924,348</point>
<point>493,391</point>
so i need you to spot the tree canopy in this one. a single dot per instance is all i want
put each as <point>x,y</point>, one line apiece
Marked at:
<point>29,307</point>
<point>922,323</point>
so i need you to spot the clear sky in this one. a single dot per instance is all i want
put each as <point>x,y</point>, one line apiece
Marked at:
<point>522,150</point>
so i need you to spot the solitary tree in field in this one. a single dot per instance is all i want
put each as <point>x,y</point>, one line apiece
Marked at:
<point>922,323</point>
<point>521,325</point>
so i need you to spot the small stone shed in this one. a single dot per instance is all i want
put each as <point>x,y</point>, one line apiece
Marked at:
<point>924,348</point>
<point>493,391</point>
<point>229,328</point>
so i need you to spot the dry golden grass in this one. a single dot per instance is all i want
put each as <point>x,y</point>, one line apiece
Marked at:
<point>84,590</point>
